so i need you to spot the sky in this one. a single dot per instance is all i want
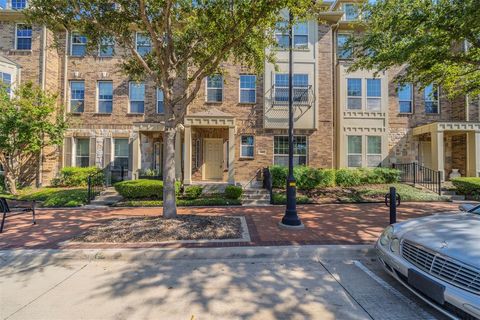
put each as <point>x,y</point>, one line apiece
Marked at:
<point>2,3</point>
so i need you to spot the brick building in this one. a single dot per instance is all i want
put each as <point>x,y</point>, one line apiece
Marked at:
<point>237,124</point>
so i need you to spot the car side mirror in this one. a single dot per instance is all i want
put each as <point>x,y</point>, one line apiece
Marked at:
<point>466,207</point>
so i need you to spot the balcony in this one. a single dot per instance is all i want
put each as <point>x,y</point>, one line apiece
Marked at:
<point>302,96</point>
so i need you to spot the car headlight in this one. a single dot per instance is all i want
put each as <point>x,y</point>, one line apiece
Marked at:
<point>395,245</point>
<point>386,236</point>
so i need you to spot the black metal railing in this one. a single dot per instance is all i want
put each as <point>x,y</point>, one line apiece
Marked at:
<point>302,96</point>
<point>267,182</point>
<point>419,175</point>
<point>95,184</point>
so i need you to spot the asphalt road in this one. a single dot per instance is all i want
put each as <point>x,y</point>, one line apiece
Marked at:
<point>309,282</point>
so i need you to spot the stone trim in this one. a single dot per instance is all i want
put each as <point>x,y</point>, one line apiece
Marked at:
<point>152,127</point>
<point>210,122</point>
<point>447,126</point>
<point>364,130</point>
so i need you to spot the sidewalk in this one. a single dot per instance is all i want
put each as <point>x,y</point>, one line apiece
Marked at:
<point>325,224</point>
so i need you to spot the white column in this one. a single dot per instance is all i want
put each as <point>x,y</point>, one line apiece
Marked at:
<point>231,155</point>
<point>136,156</point>
<point>473,154</point>
<point>187,174</point>
<point>438,153</point>
<point>178,155</point>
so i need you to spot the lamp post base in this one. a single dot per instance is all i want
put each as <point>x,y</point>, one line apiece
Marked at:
<point>301,226</point>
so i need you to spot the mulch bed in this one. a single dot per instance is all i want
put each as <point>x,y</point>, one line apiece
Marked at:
<point>159,229</point>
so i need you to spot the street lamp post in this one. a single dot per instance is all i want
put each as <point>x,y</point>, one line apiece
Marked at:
<point>291,219</point>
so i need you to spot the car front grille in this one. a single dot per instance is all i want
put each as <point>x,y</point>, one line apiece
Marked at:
<point>441,267</point>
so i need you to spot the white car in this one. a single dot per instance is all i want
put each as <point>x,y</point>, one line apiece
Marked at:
<point>437,258</point>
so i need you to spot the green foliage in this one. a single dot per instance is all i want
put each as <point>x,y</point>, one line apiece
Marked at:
<point>78,177</point>
<point>348,177</point>
<point>279,176</point>
<point>309,178</point>
<point>426,39</point>
<point>233,192</point>
<point>380,175</point>
<point>182,202</point>
<point>327,178</point>
<point>56,197</point>
<point>281,198</point>
<point>467,185</point>
<point>2,183</point>
<point>142,189</point>
<point>193,192</point>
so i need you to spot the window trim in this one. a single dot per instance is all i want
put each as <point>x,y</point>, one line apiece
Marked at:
<point>222,88</point>
<point>344,16</point>
<point>348,154</point>
<point>76,156</point>
<point>284,103</point>
<point>339,57</point>
<point>425,100</point>
<point>286,33</point>
<point>411,98</point>
<point>376,98</point>
<point>113,156</point>
<point>77,44</point>
<point>130,97</point>
<point>12,8</point>
<point>23,37</point>
<point>373,154</point>
<point>98,100</point>
<point>136,41</point>
<point>361,97</point>
<point>242,156</point>
<point>307,144</point>
<point>100,48</point>
<point>240,89</point>
<point>9,85</point>
<point>303,46</point>
<point>70,96</point>
<point>157,91</point>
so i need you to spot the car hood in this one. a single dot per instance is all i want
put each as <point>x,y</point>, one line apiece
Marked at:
<point>454,235</point>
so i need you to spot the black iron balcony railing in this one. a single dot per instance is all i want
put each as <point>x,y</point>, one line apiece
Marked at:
<point>302,96</point>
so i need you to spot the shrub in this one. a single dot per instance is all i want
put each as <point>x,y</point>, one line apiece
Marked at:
<point>307,178</point>
<point>469,186</point>
<point>380,175</point>
<point>281,198</point>
<point>279,176</point>
<point>193,192</point>
<point>233,192</point>
<point>327,178</point>
<point>142,189</point>
<point>2,183</point>
<point>348,177</point>
<point>77,177</point>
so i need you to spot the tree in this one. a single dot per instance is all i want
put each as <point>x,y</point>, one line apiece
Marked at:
<point>29,122</point>
<point>427,37</point>
<point>189,39</point>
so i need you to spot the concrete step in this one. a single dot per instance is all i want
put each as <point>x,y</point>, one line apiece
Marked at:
<point>456,197</point>
<point>448,193</point>
<point>255,202</point>
<point>107,197</point>
<point>256,197</point>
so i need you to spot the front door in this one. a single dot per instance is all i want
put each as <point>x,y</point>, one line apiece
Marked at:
<point>425,154</point>
<point>213,155</point>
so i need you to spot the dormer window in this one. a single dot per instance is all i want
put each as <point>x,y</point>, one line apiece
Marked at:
<point>350,12</point>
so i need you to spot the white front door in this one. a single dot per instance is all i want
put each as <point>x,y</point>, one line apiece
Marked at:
<point>213,155</point>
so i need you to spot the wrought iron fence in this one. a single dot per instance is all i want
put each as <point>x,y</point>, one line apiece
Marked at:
<point>267,182</point>
<point>95,184</point>
<point>302,96</point>
<point>416,174</point>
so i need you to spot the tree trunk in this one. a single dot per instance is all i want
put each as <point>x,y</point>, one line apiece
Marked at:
<point>11,183</point>
<point>169,197</point>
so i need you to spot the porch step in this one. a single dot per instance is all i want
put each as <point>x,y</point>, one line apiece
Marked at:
<point>255,203</point>
<point>255,197</point>
<point>456,197</point>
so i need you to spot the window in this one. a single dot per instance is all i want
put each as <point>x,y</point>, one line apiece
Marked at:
<point>247,147</point>
<point>431,98</point>
<point>160,105</point>
<point>215,88</point>
<point>354,151</point>
<point>341,52</point>
<point>6,80</point>
<point>374,151</point>
<point>354,94</point>
<point>120,155</point>
<point>19,4</point>
<point>137,97</point>
<point>248,88</point>
<point>107,47</point>
<point>77,96</point>
<point>143,43</point>
<point>79,45</point>
<point>82,150</point>
<point>105,96</point>
<point>197,153</point>
<point>374,95</point>
<point>300,35</point>
<point>23,37</point>
<point>280,150</point>
<point>405,98</point>
<point>350,12</point>
<point>281,34</point>
<point>300,87</point>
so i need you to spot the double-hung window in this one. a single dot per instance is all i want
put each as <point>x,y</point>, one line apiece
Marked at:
<point>247,146</point>
<point>350,11</point>
<point>79,45</point>
<point>374,151</point>
<point>281,35</point>
<point>143,43</point>
<point>405,98</point>
<point>341,52</point>
<point>23,39</point>
<point>18,4</point>
<point>160,105</point>
<point>82,153</point>
<point>354,94</point>
<point>107,47</point>
<point>374,95</point>
<point>280,150</point>
<point>300,87</point>
<point>300,35</point>
<point>248,88</point>
<point>105,96</point>
<point>431,98</point>
<point>215,88</point>
<point>354,153</point>
<point>137,97</point>
<point>6,81</point>
<point>77,96</point>
<point>120,155</point>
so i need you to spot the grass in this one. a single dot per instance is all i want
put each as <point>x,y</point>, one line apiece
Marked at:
<point>181,202</point>
<point>53,197</point>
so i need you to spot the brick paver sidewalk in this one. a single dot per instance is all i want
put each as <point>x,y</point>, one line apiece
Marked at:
<point>325,224</point>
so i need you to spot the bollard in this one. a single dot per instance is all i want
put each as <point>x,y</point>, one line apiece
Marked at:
<point>393,205</point>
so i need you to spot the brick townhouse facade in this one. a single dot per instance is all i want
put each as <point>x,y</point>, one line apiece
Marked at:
<point>237,124</point>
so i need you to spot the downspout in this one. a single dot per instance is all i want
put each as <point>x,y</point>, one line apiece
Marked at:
<point>42,85</point>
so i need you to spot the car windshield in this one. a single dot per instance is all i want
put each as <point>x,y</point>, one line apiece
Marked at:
<point>476,210</point>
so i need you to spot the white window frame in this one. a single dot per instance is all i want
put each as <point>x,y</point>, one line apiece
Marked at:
<point>23,37</point>
<point>214,88</point>
<point>302,46</point>
<point>281,33</point>
<point>373,97</point>
<point>339,48</point>
<point>77,44</point>
<point>355,97</point>
<point>70,96</point>
<point>307,144</point>
<point>75,153</point>
<point>355,154</point>
<point>410,100</point>
<point>344,17</point>
<point>100,100</point>
<point>11,5</point>
<point>286,33</point>
<point>130,97</point>
<point>136,41</point>
<point>438,99</point>
<point>367,154</point>
<point>111,42</point>
<point>158,91</point>
<point>247,145</point>
<point>114,140</point>
<point>240,89</point>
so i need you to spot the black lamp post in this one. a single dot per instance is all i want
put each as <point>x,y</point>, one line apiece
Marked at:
<point>291,219</point>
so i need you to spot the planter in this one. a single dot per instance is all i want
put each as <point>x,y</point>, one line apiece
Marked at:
<point>455,174</point>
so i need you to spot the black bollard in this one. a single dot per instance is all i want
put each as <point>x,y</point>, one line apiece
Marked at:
<point>392,200</point>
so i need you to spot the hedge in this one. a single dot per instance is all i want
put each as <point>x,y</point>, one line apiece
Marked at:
<point>469,186</point>
<point>233,192</point>
<point>77,177</point>
<point>142,189</point>
<point>193,192</point>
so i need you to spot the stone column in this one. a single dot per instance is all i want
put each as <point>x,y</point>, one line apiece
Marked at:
<point>187,167</point>
<point>178,155</point>
<point>231,155</point>
<point>473,154</point>
<point>136,156</point>
<point>438,152</point>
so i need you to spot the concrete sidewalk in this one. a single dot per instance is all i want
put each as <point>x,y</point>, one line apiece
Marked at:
<point>307,282</point>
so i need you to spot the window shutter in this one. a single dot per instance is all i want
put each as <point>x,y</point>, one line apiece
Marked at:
<point>130,155</point>
<point>93,152</point>
<point>107,152</point>
<point>67,152</point>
